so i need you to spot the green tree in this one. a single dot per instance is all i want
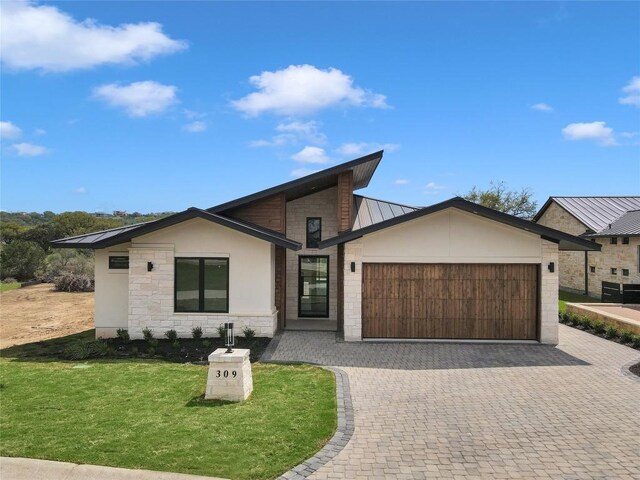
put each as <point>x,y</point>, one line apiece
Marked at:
<point>77,223</point>
<point>9,231</point>
<point>499,197</point>
<point>21,259</point>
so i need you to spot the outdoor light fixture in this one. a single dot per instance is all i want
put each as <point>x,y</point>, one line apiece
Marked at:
<point>149,266</point>
<point>552,267</point>
<point>353,266</point>
<point>228,327</point>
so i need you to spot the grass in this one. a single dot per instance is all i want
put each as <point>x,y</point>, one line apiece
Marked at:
<point>151,415</point>
<point>565,297</point>
<point>5,287</point>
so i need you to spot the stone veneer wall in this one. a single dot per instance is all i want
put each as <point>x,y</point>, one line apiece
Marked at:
<point>323,204</point>
<point>151,301</point>
<point>549,294</point>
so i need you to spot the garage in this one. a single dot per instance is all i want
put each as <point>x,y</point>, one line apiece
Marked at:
<point>450,301</point>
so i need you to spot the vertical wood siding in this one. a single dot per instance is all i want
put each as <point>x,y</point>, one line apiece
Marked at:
<point>267,212</point>
<point>345,200</point>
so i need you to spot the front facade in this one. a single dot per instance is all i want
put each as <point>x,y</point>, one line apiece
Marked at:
<point>311,252</point>
<point>611,222</point>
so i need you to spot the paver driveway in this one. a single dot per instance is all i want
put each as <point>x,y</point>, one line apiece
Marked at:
<point>483,411</point>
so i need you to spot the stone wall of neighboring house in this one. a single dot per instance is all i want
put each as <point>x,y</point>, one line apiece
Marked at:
<point>572,264</point>
<point>323,204</point>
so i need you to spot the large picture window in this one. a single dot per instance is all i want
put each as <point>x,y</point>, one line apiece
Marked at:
<point>202,285</point>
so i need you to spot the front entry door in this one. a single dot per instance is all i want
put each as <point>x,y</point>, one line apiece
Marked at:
<point>313,286</point>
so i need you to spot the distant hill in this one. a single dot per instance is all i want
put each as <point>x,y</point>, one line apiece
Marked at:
<point>33,219</point>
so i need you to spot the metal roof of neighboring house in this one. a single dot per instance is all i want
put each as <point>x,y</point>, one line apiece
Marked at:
<point>596,213</point>
<point>367,211</point>
<point>627,224</point>
<point>564,240</point>
<point>115,236</point>
<point>363,169</point>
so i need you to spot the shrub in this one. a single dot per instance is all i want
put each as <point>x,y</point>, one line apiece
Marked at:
<point>564,317</point>
<point>222,332</point>
<point>123,334</point>
<point>248,333</point>
<point>599,326</point>
<point>196,333</point>
<point>206,343</point>
<point>78,351</point>
<point>9,280</point>
<point>99,348</point>
<point>151,350</point>
<point>134,351</point>
<point>585,322</point>
<point>626,336</point>
<point>147,334</point>
<point>171,335</point>
<point>67,261</point>
<point>572,319</point>
<point>21,259</point>
<point>72,282</point>
<point>610,331</point>
<point>175,344</point>
<point>635,341</point>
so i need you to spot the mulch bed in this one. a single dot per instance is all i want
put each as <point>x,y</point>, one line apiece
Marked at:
<point>635,369</point>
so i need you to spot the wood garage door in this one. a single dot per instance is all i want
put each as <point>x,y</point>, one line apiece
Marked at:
<point>457,301</point>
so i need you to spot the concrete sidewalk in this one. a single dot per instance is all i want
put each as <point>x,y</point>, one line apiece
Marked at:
<point>33,469</point>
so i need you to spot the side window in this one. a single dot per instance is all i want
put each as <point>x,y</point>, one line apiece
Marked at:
<point>625,240</point>
<point>614,240</point>
<point>117,262</point>
<point>314,232</point>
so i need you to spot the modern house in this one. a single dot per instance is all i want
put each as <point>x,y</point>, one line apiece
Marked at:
<point>613,223</point>
<point>310,252</point>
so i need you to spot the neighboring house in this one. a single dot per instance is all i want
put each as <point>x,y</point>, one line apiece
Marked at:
<point>310,252</point>
<point>613,223</point>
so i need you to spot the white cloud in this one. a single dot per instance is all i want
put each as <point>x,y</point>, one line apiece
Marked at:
<point>355,149</point>
<point>432,188</point>
<point>633,93</point>
<point>276,141</point>
<point>44,37</point>
<point>311,155</point>
<point>29,150</point>
<point>80,190</point>
<point>596,131</point>
<point>302,172</point>
<point>195,127</point>
<point>629,134</point>
<point>304,89</point>
<point>401,181</point>
<point>304,130</point>
<point>139,99</point>
<point>542,107</point>
<point>40,131</point>
<point>9,130</point>
<point>193,115</point>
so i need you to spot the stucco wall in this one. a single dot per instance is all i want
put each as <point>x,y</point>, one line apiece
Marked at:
<point>323,204</point>
<point>112,292</point>
<point>451,236</point>
<point>251,278</point>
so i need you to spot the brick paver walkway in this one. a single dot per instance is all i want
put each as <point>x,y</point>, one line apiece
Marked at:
<point>483,411</point>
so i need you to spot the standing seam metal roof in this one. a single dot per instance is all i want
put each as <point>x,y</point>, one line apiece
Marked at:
<point>368,211</point>
<point>597,212</point>
<point>627,224</point>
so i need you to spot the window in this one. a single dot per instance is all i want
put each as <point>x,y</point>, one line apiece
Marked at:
<point>313,287</point>
<point>314,232</point>
<point>201,285</point>
<point>625,240</point>
<point>614,240</point>
<point>625,272</point>
<point>118,262</point>
<point>592,269</point>
<point>614,271</point>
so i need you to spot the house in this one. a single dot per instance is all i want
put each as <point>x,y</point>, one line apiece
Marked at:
<point>312,253</point>
<point>613,223</point>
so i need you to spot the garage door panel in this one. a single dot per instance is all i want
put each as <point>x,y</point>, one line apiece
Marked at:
<point>476,301</point>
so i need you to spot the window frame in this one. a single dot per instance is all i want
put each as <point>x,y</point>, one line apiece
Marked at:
<point>201,261</point>
<point>307,232</point>
<point>625,272</point>
<point>592,269</point>
<point>614,271</point>
<point>625,240</point>
<point>613,241</point>
<point>300,287</point>
<point>118,268</point>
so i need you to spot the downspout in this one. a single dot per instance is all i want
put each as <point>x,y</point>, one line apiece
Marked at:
<point>586,272</point>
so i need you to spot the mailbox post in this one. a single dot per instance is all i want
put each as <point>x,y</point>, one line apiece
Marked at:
<point>229,375</point>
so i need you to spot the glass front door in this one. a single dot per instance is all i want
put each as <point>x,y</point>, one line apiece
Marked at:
<point>313,287</point>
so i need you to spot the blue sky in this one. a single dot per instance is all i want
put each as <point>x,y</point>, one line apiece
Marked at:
<point>154,106</point>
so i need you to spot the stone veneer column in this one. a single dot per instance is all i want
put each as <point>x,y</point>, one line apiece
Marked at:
<point>549,294</point>
<point>353,292</point>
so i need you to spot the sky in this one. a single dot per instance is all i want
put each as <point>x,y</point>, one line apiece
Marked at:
<point>159,106</point>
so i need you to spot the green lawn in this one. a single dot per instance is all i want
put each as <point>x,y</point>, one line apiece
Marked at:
<point>5,287</point>
<point>565,297</point>
<point>151,415</point>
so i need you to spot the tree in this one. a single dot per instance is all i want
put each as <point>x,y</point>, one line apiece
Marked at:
<point>9,231</point>
<point>21,259</point>
<point>518,203</point>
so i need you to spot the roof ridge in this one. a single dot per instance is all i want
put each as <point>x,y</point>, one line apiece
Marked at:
<point>595,196</point>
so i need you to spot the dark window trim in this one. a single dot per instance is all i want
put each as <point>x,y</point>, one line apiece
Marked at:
<point>592,269</point>
<point>307,231</point>
<point>625,240</point>
<point>112,267</point>
<point>300,257</point>
<point>625,272</point>
<point>200,285</point>
<point>614,271</point>
<point>614,240</point>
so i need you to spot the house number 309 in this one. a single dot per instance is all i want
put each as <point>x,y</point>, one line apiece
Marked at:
<point>226,373</point>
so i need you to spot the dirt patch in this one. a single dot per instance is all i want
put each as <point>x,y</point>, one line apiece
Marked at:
<point>36,313</point>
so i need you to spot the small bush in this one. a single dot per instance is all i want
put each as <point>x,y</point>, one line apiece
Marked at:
<point>222,332</point>
<point>151,350</point>
<point>248,333</point>
<point>9,280</point>
<point>147,334</point>
<point>572,319</point>
<point>610,331</point>
<point>585,322</point>
<point>123,334</point>
<point>171,335</point>
<point>196,333</point>
<point>99,348</point>
<point>599,326</point>
<point>626,336</point>
<point>78,351</point>
<point>134,351</point>
<point>175,344</point>
<point>206,343</point>
<point>635,341</point>
<point>73,282</point>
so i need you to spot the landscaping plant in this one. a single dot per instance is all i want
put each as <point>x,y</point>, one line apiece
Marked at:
<point>171,335</point>
<point>248,333</point>
<point>123,334</point>
<point>196,333</point>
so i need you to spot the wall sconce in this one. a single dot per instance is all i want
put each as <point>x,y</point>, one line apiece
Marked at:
<point>551,267</point>
<point>353,266</point>
<point>149,266</point>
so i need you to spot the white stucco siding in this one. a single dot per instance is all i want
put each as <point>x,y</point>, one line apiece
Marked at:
<point>452,236</point>
<point>112,292</point>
